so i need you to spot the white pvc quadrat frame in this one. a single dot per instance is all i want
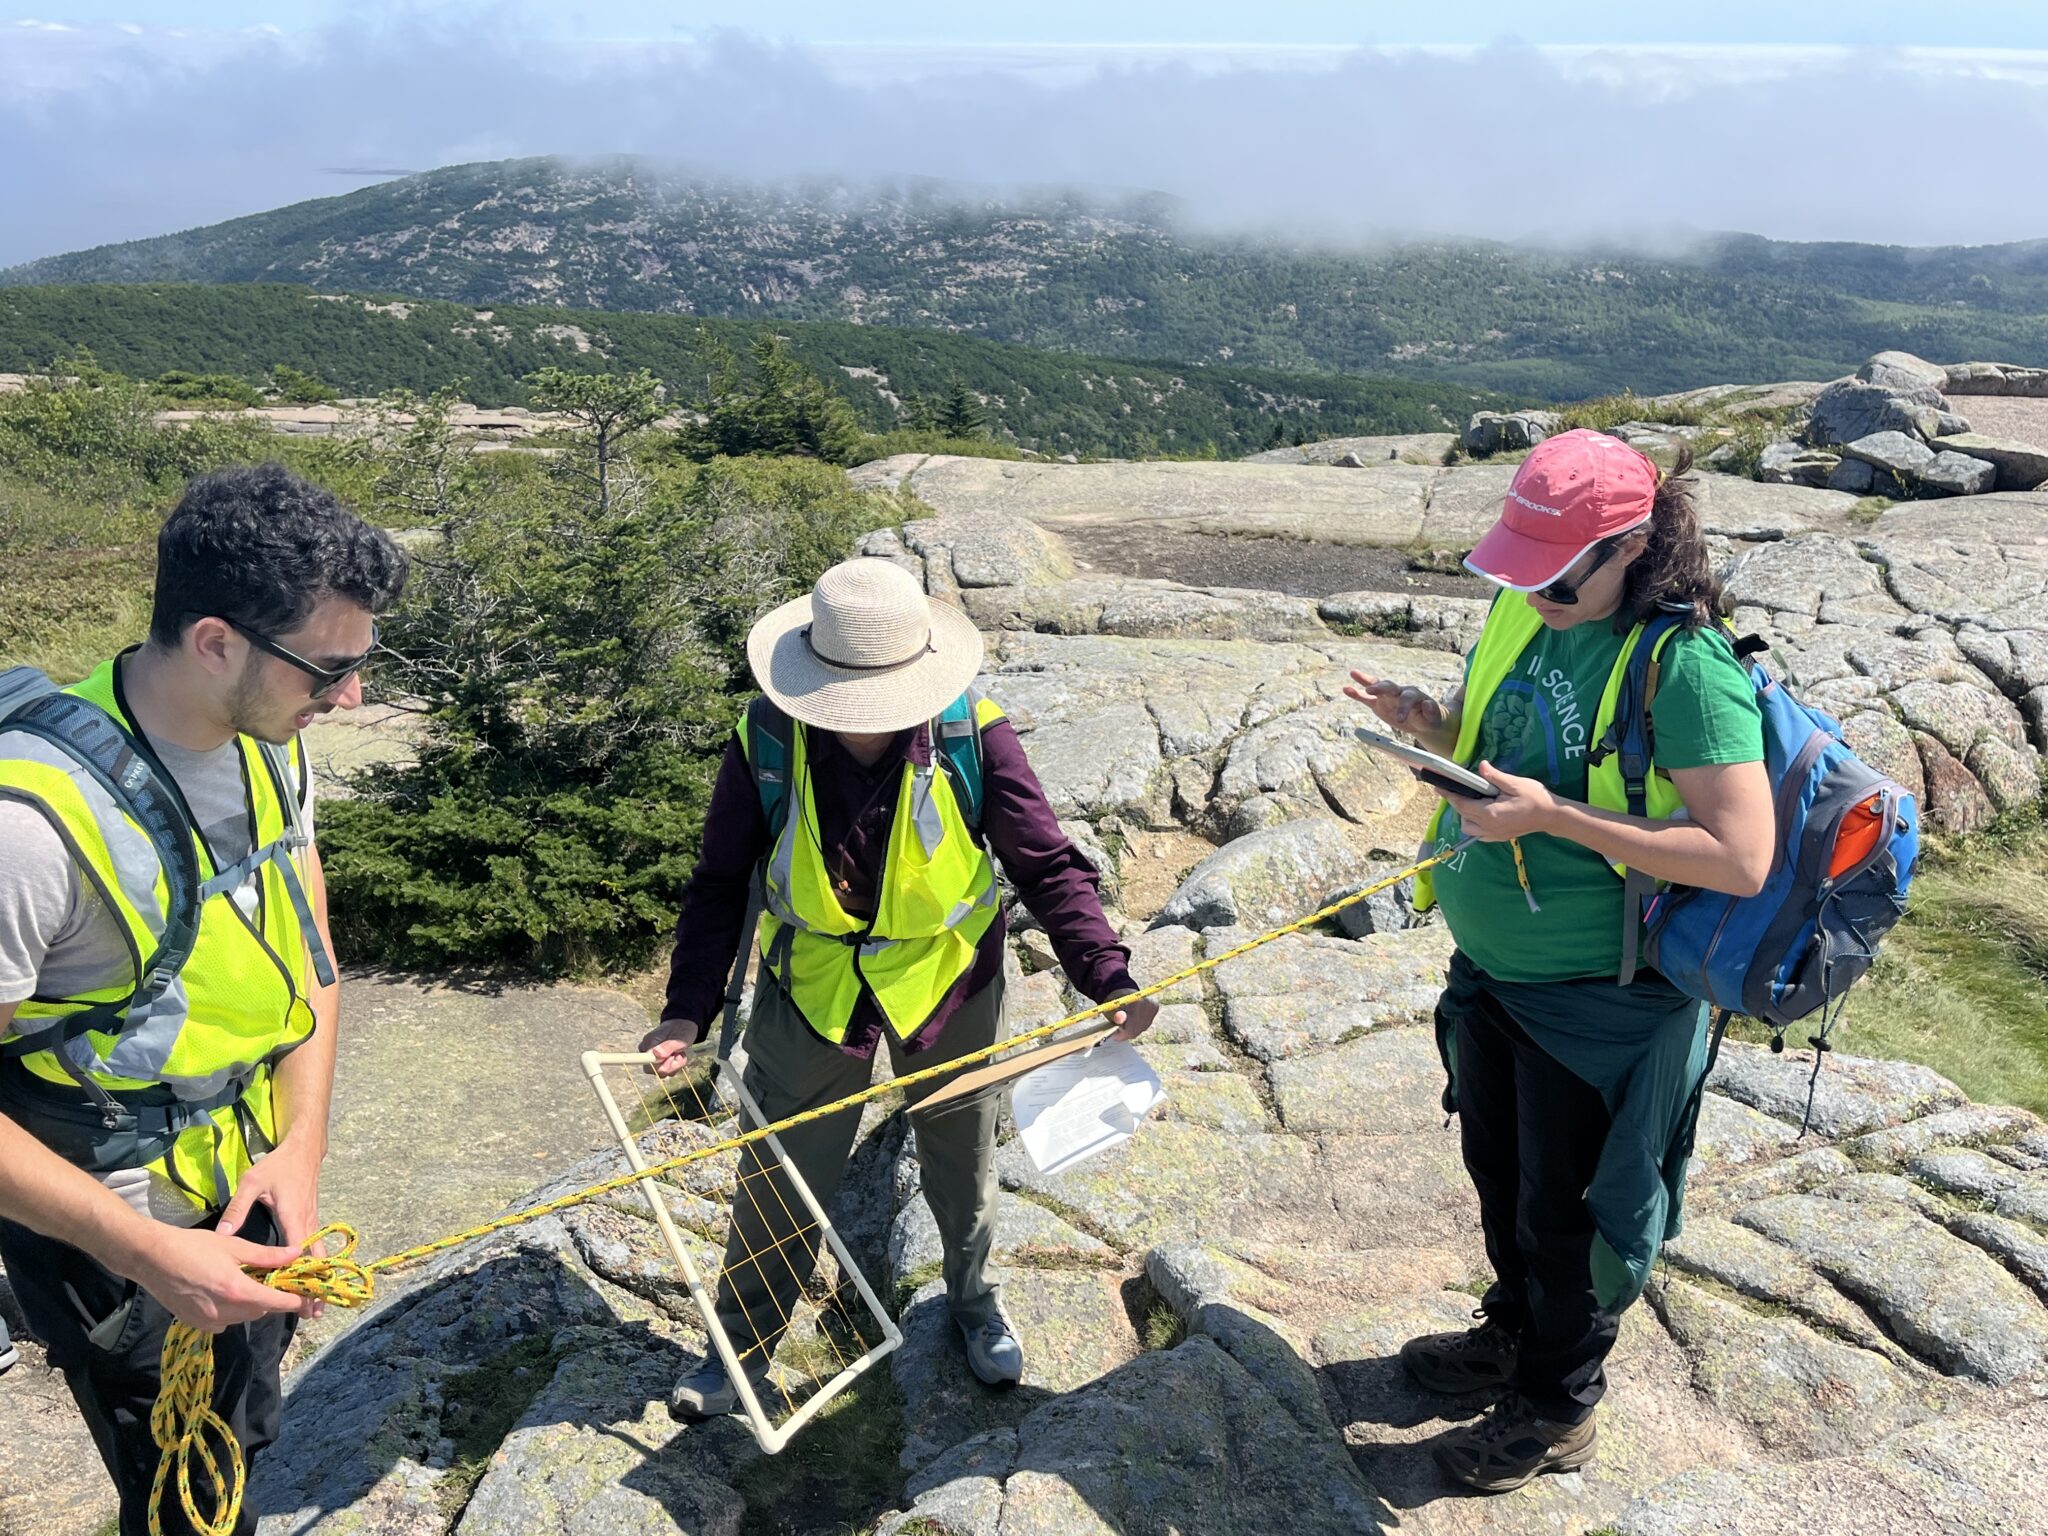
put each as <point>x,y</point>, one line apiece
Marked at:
<point>770,1437</point>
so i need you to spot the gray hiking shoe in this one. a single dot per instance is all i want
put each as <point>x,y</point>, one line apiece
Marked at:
<point>708,1391</point>
<point>994,1353</point>
<point>1475,1360</point>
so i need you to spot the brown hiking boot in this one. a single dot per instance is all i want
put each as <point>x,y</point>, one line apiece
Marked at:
<point>1476,1360</point>
<point>1511,1444</point>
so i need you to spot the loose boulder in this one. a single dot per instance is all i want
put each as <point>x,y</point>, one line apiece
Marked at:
<point>1789,463</point>
<point>1507,432</point>
<point>1997,379</point>
<point>1957,474</point>
<point>1895,453</point>
<point>1902,370</point>
<point>2020,466</point>
<point>1850,410</point>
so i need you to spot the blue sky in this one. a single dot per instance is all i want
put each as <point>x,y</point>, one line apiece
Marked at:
<point>1922,123</point>
<point>1853,23</point>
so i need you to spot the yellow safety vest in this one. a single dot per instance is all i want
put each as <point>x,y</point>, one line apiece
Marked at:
<point>192,1076</point>
<point>1509,628</point>
<point>936,897</point>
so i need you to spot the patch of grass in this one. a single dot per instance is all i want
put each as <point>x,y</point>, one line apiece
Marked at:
<point>839,1474</point>
<point>1437,561</point>
<point>692,1096</point>
<point>914,1282</point>
<point>68,610</point>
<point>1745,446</point>
<point>1163,1328</point>
<point>1610,411</point>
<point>480,1407</point>
<point>1962,982</point>
<point>1157,1325</point>
<point>882,445</point>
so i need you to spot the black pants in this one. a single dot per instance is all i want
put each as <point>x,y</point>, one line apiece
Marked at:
<point>1533,1132</point>
<point>68,1298</point>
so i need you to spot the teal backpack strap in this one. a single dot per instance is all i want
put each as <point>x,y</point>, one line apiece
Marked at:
<point>956,738</point>
<point>769,750</point>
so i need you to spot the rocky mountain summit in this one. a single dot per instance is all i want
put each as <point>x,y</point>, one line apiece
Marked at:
<point>1851,1334</point>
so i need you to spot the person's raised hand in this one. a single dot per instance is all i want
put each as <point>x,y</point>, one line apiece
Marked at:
<point>1401,706</point>
<point>202,1278</point>
<point>669,1043</point>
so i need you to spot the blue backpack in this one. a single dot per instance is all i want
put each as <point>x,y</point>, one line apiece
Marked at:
<point>956,743</point>
<point>1847,838</point>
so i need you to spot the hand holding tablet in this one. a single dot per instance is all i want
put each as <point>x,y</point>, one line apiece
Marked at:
<point>1438,772</point>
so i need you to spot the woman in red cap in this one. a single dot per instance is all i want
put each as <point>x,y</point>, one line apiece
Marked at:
<point>1575,1074</point>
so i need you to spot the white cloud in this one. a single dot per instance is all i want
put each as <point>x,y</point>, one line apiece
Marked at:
<point>114,135</point>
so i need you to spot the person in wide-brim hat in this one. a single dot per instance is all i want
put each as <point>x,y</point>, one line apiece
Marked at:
<point>870,786</point>
<point>866,651</point>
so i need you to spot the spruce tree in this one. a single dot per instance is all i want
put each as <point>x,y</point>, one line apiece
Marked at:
<point>961,414</point>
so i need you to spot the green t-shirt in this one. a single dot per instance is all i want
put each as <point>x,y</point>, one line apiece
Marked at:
<point>1539,725</point>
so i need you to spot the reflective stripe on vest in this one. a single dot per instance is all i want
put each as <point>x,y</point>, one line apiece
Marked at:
<point>238,1004</point>
<point>1510,626</point>
<point>936,897</point>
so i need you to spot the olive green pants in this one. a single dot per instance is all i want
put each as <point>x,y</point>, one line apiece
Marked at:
<point>773,1247</point>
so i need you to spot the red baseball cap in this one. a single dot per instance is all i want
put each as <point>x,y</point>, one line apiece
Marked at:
<point>1572,491</point>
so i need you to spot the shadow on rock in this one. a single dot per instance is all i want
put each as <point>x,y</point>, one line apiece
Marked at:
<point>502,1392</point>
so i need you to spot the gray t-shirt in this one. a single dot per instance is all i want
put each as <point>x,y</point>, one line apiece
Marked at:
<point>56,937</point>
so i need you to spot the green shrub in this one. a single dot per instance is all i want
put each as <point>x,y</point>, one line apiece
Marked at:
<point>578,646</point>
<point>294,386</point>
<point>83,432</point>
<point>781,407</point>
<point>204,389</point>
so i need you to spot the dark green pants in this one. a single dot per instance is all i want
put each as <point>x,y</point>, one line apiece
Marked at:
<point>774,1245</point>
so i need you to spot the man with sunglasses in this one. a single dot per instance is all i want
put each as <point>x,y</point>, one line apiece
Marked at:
<point>154,1151</point>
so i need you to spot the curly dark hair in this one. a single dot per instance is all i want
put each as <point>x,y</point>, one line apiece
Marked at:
<point>260,546</point>
<point>1676,567</point>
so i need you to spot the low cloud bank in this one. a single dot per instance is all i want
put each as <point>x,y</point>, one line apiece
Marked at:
<point>110,134</point>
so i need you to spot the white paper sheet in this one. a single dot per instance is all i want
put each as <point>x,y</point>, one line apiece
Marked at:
<point>1082,1104</point>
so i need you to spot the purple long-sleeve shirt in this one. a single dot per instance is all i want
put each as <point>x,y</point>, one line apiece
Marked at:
<point>856,808</point>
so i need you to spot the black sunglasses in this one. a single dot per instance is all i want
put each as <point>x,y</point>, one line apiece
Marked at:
<point>327,681</point>
<point>1565,590</point>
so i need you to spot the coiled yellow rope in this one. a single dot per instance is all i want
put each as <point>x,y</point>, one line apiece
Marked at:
<point>183,1421</point>
<point>187,1429</point>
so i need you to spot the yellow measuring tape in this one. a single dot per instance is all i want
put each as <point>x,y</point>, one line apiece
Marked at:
<point>192,1436</point>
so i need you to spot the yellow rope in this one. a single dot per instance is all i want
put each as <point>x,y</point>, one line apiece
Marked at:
<point>184,1422</point>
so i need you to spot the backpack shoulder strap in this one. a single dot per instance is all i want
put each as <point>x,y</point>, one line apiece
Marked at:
<point>1632,730</point>
<point>956,739</point>
<point>768,743</point>
<point>93,739</point>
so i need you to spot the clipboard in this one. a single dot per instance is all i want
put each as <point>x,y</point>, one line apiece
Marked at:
<point>1012,1066</point>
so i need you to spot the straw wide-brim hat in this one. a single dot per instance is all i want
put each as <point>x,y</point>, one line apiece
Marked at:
<point>866,651</point>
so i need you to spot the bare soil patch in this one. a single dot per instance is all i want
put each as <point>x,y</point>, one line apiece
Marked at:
<point>1292,566</point>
